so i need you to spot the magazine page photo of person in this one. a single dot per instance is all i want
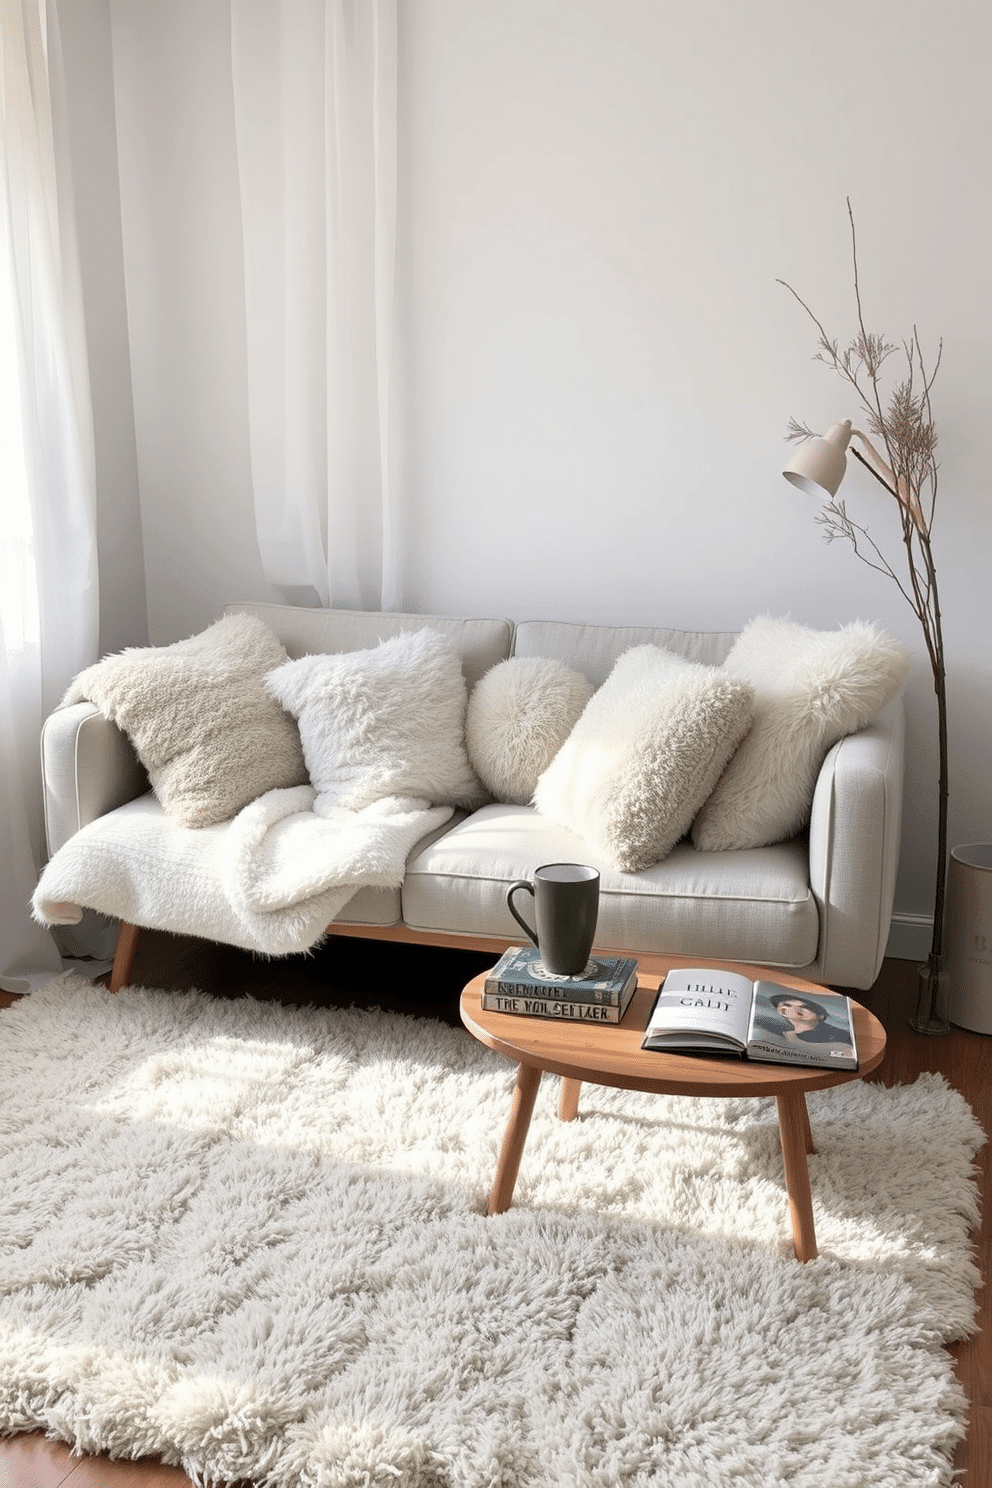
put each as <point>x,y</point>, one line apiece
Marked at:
<point>795,1022</point>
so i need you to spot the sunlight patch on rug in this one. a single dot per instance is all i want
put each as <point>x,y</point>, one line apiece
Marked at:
<point>249,1239</point>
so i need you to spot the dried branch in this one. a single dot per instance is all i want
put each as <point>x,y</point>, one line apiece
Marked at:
<point>833,517</point>
<point>797,431</point>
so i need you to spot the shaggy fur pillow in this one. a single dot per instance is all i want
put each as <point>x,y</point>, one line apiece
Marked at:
<point>202,724</point>
<point>519,715</point>
<point>389,721</point>
<point>645,754</point>
<point>811,687</point>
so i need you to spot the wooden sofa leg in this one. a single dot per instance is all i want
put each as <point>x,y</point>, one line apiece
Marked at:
<point>127,945</point>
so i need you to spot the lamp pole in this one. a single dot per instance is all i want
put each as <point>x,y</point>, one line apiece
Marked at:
<point>818,468</point>
<point>932,1004</point>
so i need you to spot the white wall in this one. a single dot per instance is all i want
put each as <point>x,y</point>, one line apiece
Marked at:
<point>597,364</point>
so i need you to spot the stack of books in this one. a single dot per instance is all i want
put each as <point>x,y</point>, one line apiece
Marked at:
<point>520,984</point>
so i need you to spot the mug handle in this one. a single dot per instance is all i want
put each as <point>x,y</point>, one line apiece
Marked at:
<point>521,883</point>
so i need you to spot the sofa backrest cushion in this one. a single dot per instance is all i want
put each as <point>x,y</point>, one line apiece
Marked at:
<point>479,643</point>
<point>593,649</point>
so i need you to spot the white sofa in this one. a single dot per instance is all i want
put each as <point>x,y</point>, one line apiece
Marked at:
<point>818,905</point>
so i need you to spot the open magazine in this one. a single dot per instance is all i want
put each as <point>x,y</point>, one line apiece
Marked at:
<point>700,1010</point>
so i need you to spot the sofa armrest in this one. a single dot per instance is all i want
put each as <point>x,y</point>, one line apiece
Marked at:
<point>854,838</point>
<point>88,767</point>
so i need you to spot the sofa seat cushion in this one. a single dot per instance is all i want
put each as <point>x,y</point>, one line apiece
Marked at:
<point>383,907</point>
<point>744,906</point>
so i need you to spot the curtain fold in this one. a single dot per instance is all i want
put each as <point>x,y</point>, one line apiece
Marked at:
<point>49,611</point>
<point>315,89</point>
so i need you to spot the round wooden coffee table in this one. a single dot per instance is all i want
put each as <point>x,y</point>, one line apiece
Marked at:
<point>611,1054</point>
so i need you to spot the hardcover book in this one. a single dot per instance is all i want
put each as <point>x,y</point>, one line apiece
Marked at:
<point>700,1010</point>
<point>519,983</point>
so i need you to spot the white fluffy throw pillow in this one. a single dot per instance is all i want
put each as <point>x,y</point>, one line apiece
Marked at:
<point>385,722</point>
<point>202,724</point>
<point>645,754</point>
<point>519,715</point>
<point>811,688</point>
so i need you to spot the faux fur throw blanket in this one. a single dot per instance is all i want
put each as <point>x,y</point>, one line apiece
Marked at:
<point>272,879</point>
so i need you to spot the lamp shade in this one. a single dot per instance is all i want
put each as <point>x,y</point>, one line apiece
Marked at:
<point>818,465</point>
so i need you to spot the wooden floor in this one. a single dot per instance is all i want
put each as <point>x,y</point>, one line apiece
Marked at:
<point>340,973</point>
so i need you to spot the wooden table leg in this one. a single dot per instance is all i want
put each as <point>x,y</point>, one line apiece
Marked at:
<point>568,1100</point>
<point>796,1138</point>
<point>524,1095</point>
<point>808,1131</point>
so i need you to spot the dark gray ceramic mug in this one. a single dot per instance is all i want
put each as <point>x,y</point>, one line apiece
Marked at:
<point>566,904</point>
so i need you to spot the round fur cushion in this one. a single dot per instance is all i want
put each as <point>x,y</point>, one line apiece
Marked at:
<point>519,715</point>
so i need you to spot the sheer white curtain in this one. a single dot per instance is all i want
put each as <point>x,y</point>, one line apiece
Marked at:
<point>315,120</point>
<point>48,570</point>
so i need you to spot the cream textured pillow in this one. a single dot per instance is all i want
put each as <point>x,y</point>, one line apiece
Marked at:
<point>519,715</point>
<point>389,721</point>
<point>645,754</point>
<point>199,718</point>
<point>811,687</point>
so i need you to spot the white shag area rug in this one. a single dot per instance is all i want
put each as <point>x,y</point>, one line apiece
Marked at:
<point>249,1239</point>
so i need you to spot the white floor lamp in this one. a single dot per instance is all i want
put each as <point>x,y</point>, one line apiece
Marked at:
<point>903,425</point>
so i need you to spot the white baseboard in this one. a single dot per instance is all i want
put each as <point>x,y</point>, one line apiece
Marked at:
<point>909,937</point>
